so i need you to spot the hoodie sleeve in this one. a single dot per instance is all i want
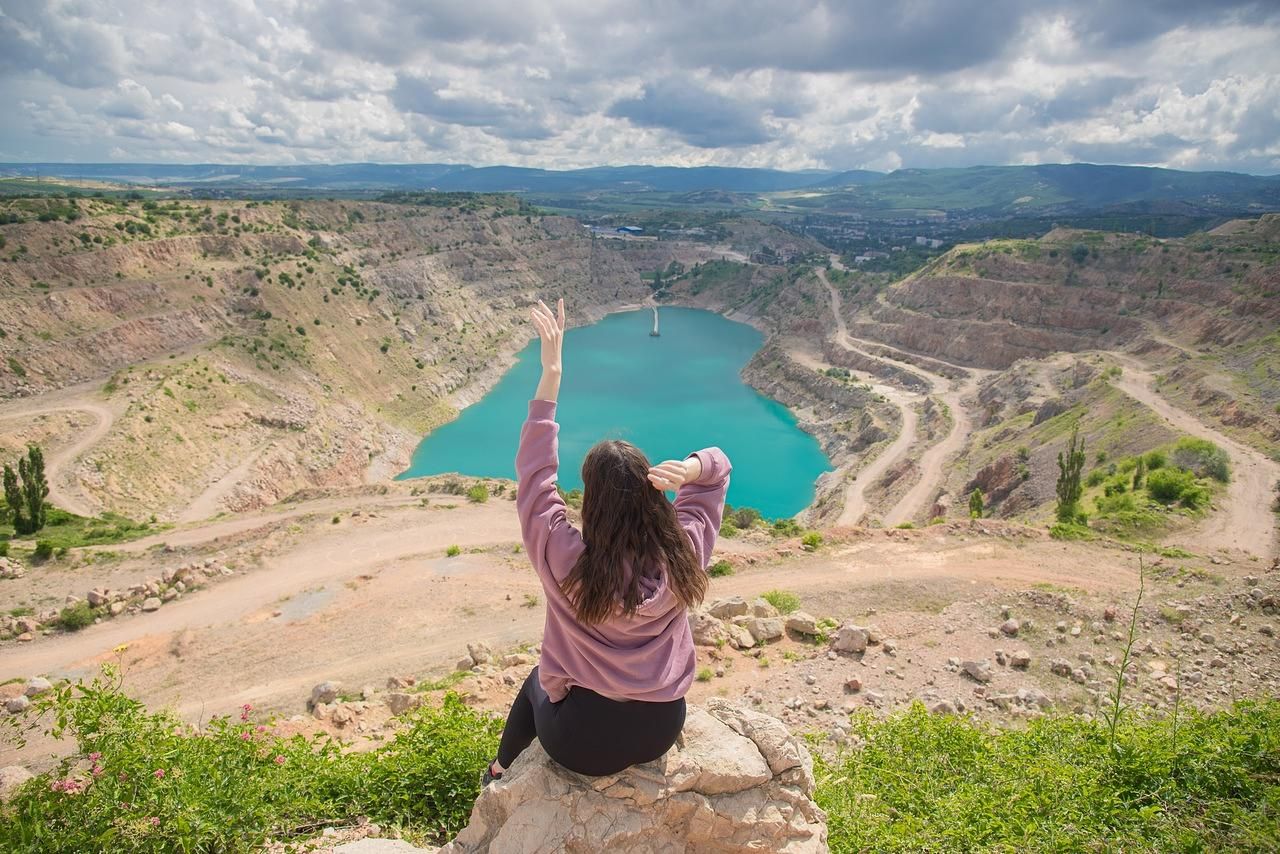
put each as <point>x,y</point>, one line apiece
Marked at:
<point>553,544</point>
<point>700,504</point>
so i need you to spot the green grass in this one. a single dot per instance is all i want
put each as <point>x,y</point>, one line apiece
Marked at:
<point>921,782</point>
<point>784,600</point>
<point>720,568</point>
<point>64,530</point>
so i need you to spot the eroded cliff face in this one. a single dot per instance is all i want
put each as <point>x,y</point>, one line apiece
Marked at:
<point>250,350</point>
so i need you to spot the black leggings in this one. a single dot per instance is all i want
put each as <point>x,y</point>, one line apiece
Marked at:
<point>588,733</point>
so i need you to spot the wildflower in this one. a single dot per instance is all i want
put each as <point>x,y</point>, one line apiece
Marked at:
<point>159,774</point>
<point>244,711</point>
<point>97,770</point>
<point>279,760</point>
<point>122,776</point>
<point>261,728</point>
<point>95,756</point>
<point>244,736</point>
<point>120,648</point>
<point>155,820</point>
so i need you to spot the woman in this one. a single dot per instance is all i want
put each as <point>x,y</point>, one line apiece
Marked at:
<point>617,653</point>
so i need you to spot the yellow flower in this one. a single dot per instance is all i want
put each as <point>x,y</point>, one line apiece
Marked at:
<point>121,648</point>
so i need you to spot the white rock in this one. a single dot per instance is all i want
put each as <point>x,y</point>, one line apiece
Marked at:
<point>849,638</point>
<point>727,609</point>
<point>151,603</point>
<point>11,777</point>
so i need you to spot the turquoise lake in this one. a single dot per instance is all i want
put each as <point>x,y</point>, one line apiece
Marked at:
<point>668,396</point>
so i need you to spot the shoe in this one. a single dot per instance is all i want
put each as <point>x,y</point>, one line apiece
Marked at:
<point>488,776</point>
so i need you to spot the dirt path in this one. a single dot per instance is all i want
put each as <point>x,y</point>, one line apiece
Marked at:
<point>1245,520</point>
<point>209,502</point>
<point>932,463</point>
<point>62,489</point>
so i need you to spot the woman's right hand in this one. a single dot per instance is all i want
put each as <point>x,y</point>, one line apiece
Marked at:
<point>551,330</point>
<point>672,474</point>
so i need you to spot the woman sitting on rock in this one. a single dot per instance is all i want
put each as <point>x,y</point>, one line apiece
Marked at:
<point>617,653</point>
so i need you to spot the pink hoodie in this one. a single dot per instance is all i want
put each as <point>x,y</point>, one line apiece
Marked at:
<point>648,656</point>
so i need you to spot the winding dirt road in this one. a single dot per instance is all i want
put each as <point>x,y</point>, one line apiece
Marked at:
<point>933,461</point>
<point>62,490</point>
<point>1245,520</point>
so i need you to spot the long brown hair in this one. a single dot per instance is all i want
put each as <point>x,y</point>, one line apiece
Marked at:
<point>627,522</point>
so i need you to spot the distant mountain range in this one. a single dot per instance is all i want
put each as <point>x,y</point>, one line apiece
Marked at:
<point>987,189</point>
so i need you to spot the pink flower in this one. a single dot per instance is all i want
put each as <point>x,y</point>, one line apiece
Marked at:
<point>261,728</point>
<point>244,736</point>
<point>95,756</point>
<point>279,760</point>
<point>244,711</point>
<point>124,805</point>
<point>155,820</point>
<point>122,776</point>
<point>97,770</point>
<point>159,774</point>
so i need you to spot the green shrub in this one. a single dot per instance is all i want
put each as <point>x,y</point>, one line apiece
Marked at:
<point>784,600</point>
<point>1202,457</point>
<point>1155,460</point>
<point>1167,485</point>
<point>4,548</point>
<point>811,541</point>
<point>161,786</point>
<point>728,529</point>
<point>452,551</point>
<point>75,617</point>
<point>704,674</point>
<point>785,528</point>
<point>1095,477</point>
<point>720,568</point>
<point>923,782</point>
<point>742,517</point>
<point>478,494</point>
<point>43,551</point>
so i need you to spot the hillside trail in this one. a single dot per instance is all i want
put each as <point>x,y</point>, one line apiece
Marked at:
<point>209,502</point>
<point>63,492</point>
<point>1245,520</point>
<point>933,461</point>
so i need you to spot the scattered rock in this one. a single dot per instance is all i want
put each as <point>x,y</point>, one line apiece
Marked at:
<point>151,603</point>
<point>802,624</point>
<point>706,629</point>
<point>942,707</point>
<point>736,781</point>
<point>727,609</point>
<point>480,652</point>
<point>325,692</point>
<point>11,777</point>
<point>400,702</point>
<point>979,671</point>
<point>1020,659</point>
<point>1060,667</point>
<point>17,705</point>
<point>762,608</point>
<point>97,597</point>
<point>1010,627</point>
<point>849,638</point>
<point>739,637</point>
<point>762,629</point>
<point>37,685</point>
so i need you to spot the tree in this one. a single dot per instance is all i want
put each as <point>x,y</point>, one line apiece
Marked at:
<point>26,491</point>
<point>976,505</point>
<point>1139,474</point>
<point>13,498</point>
<point>1069,468</point>
<point>1079,252</point>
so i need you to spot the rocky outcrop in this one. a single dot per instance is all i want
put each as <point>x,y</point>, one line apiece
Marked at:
<point>736,781</point>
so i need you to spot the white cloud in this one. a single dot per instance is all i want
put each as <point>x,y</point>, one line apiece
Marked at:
<point>565,83</point>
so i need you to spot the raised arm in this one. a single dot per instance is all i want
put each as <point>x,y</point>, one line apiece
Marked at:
<point>552,543</point>
<point>701,481</point>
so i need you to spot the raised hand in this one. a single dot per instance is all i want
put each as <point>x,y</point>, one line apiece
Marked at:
<point>551,330</point>
<point>673,474</point>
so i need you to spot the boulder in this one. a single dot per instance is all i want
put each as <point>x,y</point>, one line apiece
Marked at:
<point>736,781</point>
<point>762,629</point>
<point>37,685</point>
<point>17,705</point>
<point>850,638</point>
<point>979,671</point>
<point>739,637</point>
<point>727,609</point>
<point>11,777</point>
<point>480,652</point>
<point>1010,627</point>
<point>802,624</point>
<point>151,603</point>
<point>1020,659</point>
<point>325,692</point>
<point>763,608</point>
<point>98,597</point>
<point>400,702</point>
<point>706,629</point>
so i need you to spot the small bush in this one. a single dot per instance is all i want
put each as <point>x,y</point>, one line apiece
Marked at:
<point>1155,460</point>
<point>452,551</point>
<point>478,494</point>
<point>43,551</point>
<point>811,541</point>
<point>705,674</point>
<point>785,528</point>
<point>728,529</point>
<point>1167,485</point>
<point>742,517</point>
<point>784,600</point>
<point>75,617</point>
<point>720,568</point>
<point>1202,457</point>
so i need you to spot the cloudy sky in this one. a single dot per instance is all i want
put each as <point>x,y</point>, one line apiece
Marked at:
<point>876,84</point>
